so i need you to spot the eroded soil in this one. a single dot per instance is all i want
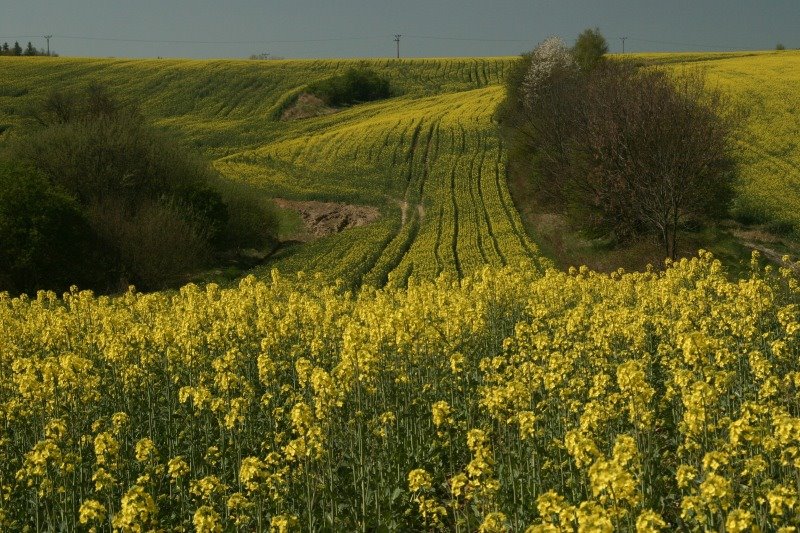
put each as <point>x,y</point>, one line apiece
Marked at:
<point>307,106</point>
<point>326,218</point>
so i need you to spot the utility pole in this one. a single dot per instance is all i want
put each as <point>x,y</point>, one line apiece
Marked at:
<point>623,43</point>
<point>397,40</point>
<point>48,37</point>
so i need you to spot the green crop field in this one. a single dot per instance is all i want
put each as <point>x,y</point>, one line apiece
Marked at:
<point>430,158</point>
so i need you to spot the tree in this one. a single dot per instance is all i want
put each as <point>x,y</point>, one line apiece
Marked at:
<point>45,241</point>
<point>622,151</point>
<point>5,50</point>
<point>17,50</point>
<point>589,49</point>
<point>30,50</point>
<point>660,148</point>
<point>780,46</point>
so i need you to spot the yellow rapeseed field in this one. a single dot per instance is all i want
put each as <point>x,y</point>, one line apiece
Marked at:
<point>510,400</point>
<point>428,372</point>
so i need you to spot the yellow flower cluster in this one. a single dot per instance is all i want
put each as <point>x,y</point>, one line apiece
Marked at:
<point>509,400</point>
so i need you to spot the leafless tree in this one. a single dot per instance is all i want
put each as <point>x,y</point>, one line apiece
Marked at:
<point>622,149</point>
<point>661,149</point>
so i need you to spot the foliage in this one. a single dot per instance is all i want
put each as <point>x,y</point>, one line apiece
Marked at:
<point>158,242</point>
<point>589,49</point>
<point>17,50</point>
<point>45,240</point>
<point>767,156</point>
<point>623,150</point>
<point>251,218</point>
<point>354,86</point>
<point>156,203</point>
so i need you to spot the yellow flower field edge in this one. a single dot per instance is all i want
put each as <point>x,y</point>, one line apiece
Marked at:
<point>512,399</point>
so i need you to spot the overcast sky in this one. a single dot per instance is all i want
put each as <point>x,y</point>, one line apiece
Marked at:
<point>365,28</point>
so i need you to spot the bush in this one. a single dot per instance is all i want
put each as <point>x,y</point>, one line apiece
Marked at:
<point>155,202</point>
<point>45,240</point>
<point>354,86</point>
<point>252,220</point>
<point>97,156</point>
<point>157,242</point>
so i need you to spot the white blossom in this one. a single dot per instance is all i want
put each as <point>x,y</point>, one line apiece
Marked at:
<point>550,54</point>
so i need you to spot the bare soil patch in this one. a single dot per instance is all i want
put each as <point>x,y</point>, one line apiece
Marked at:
<point>307,106</point>
<point>326,218</point>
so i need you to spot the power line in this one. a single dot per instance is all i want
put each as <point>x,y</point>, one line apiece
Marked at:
<point>17,37</point>
<point>397,40</point>
<point>181,41</point>
<point>473,39</point>
<point>673,43</point>
<point>341,39</point>
<point>269,41</point>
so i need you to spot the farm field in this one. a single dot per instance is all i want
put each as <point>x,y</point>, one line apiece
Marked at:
<point>764,84</point>
<point>430,159</point>
<point>428,371</point>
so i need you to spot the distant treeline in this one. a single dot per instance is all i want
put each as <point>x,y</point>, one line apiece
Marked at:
<point>17,50</point>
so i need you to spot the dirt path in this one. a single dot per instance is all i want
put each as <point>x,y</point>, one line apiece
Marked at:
<point>404,207</point>
<point>326,218</point>
<point>763,242</point>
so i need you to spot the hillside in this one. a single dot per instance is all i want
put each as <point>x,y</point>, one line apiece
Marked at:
<point>430,159</point>
<point>516,397</point>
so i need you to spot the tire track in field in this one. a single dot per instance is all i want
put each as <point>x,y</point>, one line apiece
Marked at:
<point>436,256</point>
<point>401,142</point>
<point>509,213</point>
<point>416,207</point>
<point>433,133</point>
<point>486,216</point>
<point>454,243</point>
<point>475,210</point>
<point>409,225</point>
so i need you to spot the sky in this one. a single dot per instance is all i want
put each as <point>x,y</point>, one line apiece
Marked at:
<point>366,28</point>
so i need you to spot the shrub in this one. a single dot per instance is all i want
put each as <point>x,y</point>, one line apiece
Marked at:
<point>354,86</point>
<point>45,240</point>
<point>158,242</point>
<point>160,206</point>
<point>252,220</point>
<point>98,156</point>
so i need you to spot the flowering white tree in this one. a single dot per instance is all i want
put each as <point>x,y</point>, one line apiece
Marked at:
<point>550,56</point>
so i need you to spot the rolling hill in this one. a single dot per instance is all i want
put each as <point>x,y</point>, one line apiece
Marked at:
<point>475,389</point>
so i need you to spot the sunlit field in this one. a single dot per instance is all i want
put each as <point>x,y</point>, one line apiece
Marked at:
<point>429,371</point>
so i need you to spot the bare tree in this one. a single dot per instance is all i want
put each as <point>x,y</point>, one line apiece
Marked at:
<point>623,150</point>
<point>661,146</point>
